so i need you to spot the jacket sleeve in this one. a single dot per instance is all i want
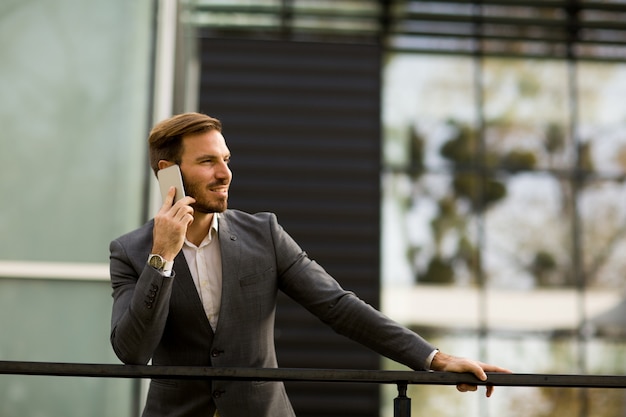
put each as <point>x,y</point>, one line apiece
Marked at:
<point>311,286</point>
<point>141,297</point>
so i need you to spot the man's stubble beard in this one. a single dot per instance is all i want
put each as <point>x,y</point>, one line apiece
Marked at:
<point>217,206</point>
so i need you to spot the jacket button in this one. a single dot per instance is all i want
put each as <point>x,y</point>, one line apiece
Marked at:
<point>218,393</point>
<point>216,352</point>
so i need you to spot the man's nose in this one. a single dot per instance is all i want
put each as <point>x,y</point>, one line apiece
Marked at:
<point>223,171</point>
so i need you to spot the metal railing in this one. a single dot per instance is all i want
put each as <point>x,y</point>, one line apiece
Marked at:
<point>402,404</point>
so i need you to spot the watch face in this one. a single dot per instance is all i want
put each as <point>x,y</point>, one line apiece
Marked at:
<point>156,262</point>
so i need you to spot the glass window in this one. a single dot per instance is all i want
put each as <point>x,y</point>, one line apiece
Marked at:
<point>74,118</point>
<point>74,113</point>
<point>503,222</point>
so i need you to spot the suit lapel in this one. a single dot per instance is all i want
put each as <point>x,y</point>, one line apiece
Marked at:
<point>230,248</point>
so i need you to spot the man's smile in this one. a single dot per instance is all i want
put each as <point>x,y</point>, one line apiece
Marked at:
<point>219,190</point>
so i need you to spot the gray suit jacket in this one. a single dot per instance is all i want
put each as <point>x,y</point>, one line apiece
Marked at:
<point>161,318</point>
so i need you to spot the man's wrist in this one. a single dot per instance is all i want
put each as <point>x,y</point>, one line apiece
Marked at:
<point>440,361</point>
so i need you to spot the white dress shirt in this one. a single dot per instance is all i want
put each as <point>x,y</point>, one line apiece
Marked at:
<point>205,265</point>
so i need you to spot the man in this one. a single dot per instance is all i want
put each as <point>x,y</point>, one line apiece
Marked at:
<point>197,285</point>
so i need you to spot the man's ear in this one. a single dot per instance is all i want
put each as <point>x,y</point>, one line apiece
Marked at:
<point>164,163</point>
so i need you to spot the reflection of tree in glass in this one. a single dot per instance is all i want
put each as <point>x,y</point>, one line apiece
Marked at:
<point>479,181</point>
<point>475,185</point>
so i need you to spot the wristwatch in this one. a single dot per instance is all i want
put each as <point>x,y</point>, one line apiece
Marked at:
<point>158,263</point>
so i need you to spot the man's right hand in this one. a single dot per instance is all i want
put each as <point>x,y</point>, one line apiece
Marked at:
<point>448,363</point>
<point>170,225</point>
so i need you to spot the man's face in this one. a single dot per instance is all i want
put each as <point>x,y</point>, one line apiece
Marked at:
<point>206,176</point>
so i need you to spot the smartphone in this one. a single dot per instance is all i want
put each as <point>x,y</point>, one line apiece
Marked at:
<point>169,177</point>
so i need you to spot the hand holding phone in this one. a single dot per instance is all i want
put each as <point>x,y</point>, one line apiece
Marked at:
<point>171,177</point>
<point>170,223</point>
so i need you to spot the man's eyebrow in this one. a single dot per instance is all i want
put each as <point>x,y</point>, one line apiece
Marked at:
<point>212,156</point>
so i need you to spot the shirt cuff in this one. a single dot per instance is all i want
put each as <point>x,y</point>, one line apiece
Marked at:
<point>429,359</point>
<point>167,272</point>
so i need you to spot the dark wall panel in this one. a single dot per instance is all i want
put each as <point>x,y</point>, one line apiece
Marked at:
<point>302,121</point>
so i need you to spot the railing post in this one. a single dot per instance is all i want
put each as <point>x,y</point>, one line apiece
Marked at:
<point>402,403</point>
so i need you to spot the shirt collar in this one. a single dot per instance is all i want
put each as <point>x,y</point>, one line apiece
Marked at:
<point>214,223</point>
<point>209,236</point>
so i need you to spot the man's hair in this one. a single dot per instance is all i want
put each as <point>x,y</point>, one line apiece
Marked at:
<point>165,140</point>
